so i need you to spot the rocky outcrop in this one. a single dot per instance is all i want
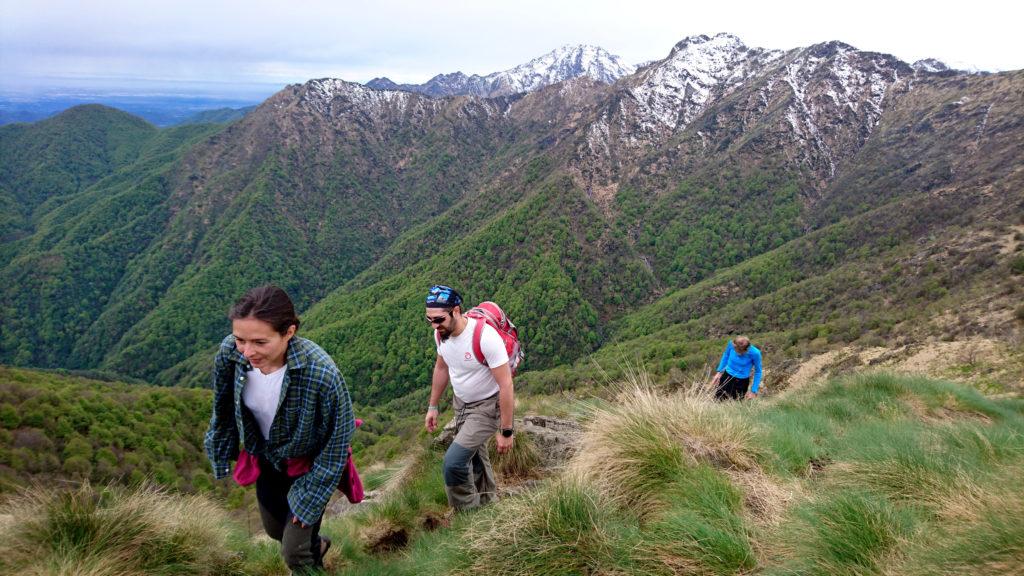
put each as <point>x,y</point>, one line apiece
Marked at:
<point>554,439</point>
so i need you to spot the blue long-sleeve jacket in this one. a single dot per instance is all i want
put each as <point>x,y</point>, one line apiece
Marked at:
<point>739,365</point>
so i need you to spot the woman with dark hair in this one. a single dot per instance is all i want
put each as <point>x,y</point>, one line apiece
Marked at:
<point>283,398</point>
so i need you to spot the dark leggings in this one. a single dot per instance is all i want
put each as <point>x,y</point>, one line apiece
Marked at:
<point>300,547</point>
<point>731,387</point>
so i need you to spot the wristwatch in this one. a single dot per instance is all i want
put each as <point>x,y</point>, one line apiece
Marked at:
<point>507,432</point>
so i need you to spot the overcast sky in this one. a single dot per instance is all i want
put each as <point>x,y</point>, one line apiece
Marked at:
<point>234,47</point>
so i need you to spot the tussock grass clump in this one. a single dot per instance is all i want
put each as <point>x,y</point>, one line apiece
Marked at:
<point>520,463</point>
<point>851,532</point>
<point>794,438</point>
<point>636,446</point>
<point>703,531</point>
<point>981,533</point>
<point>564,529</point>
<point>114,532</point>
<point>899,460</point>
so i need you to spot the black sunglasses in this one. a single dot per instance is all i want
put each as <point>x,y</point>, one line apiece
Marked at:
<point>437,319</point>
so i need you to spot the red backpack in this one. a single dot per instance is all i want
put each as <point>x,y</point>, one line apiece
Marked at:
<point>492,314</point>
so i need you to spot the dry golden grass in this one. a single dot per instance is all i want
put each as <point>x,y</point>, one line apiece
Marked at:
<point>644,429</point>
<point>950,411</point>
<point>981,533</point>
<point>766,499</point>
<point>113,532</point>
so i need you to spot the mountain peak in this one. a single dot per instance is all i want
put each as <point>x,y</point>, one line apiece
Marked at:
<point>563,63</point>
<point>568,61</point>
<point>382,83</point>
<point>829,49</point>
<point>930,65</point>
<point>720,41</point>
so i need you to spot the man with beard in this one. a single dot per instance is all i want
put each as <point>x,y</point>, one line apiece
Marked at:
<point>483,402</point>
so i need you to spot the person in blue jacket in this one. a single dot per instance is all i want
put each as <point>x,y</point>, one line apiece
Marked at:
<point>733,375</point>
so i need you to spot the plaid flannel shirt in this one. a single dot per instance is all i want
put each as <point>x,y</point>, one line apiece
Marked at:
<point>314,419</point>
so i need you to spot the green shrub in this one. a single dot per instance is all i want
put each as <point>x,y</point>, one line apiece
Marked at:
<point>78,446</point>
<point>1017,264</point>
<point>77,467</point>
<point>9,417</point>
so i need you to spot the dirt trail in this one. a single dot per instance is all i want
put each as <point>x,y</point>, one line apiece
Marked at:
<point>959,359</point>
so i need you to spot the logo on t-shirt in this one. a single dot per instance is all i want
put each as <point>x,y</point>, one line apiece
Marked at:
<point>469,356</point>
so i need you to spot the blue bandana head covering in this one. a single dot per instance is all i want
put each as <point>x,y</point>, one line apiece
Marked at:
<point>441,296</point>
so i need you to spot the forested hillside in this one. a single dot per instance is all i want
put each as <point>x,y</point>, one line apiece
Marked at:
<point>795,195</point>
<point>48,161</point>
<point>58,426</point>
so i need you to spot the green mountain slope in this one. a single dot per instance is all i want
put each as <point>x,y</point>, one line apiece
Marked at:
<point>569,206</point>
<point>59,278</point>
<point>545,260</point>
<point>51,159</point>
<point>58,426</point>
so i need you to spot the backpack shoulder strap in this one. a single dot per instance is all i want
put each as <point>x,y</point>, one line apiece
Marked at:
<point>478,350</point>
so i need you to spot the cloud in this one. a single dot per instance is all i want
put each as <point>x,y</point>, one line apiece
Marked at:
<point>276,42</point>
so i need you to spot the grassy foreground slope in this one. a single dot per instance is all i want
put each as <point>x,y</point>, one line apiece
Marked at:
<point>868,474</point>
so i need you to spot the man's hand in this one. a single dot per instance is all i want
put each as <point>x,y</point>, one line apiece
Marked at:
<point>430,422</point>
<point>716,379</point>
<point>504,444</point>
<point>751,395</point>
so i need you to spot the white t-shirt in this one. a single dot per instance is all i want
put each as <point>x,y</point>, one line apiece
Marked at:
<point>471,380</point>
<point>261,395</point>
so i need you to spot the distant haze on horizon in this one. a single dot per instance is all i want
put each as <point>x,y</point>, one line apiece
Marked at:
<point>254,48</point>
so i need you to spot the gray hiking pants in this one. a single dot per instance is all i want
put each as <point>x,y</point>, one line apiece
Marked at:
<point>468,477</point>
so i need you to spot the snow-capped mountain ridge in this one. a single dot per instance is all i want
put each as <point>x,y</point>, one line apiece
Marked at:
<point>331,97</point>
<point>822,102</point>
<point>561,64</point>
<point>670,93</point>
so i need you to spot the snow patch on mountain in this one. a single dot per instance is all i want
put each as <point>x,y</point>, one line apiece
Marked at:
<point>855,85</point>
